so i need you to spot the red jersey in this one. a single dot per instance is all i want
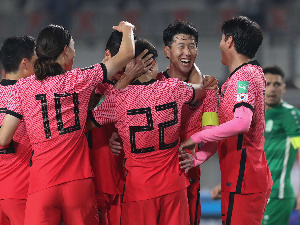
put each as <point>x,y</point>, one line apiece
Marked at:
<point>191,120</point>
<point>148,118</point>
<point>14,159</point>
<point>55,112</point>
<point>108,168</point>
<point>243,163</point>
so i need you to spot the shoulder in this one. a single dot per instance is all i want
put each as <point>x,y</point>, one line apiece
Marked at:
<point>289,109</point>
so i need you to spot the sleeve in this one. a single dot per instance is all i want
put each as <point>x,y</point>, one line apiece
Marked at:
<point>244,91</point>
<point>210,109</point>
<point>102,88</point>
<point>291,125</point>
<point>105,111</point>
<point>241,123</point>
<point>15,102</point>
<point>186,91</point>
<point>92,75</point>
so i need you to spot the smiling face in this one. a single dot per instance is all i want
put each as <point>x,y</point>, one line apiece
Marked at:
<point>182,53</point>
<point>224,50</point>
<point>274,89</point>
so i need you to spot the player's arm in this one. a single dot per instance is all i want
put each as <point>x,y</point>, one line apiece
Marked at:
<point>8,128</point>
<point>216,192</point>
<point>298,197</point>
<point>296,144</point>
<point>200,85</point>
<point>239,124</point>
<point>103,113</point>
<point>126,51</point>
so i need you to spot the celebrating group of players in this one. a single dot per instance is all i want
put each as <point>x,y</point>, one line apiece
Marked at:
<point>57,166</point>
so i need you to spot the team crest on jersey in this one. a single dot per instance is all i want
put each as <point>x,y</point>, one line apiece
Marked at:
<point>242,91</point>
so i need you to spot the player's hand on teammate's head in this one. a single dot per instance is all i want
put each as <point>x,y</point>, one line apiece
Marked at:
<point>115,144</point>
<point>139,65</point>
<point>123,25</point>
<point>216,192</point>
<point>211,83</point>
<point>186,161</point>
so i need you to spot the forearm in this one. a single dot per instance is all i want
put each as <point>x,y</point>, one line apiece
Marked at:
<point>240,124</point>
<point>205,152</point>
<point>9,126</point>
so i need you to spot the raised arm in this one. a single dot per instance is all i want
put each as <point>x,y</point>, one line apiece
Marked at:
<point>126,51</point>
<point>8,128</point>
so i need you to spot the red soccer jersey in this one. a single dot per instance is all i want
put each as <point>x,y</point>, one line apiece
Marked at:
<point>108,169</point>
<point>148,118</point>
<point>14,159</point>
<point>55,111</point>
<point>191,119</point>
<point>243,163</point>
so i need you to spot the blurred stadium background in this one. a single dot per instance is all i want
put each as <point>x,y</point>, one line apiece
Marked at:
<point>90,23</point>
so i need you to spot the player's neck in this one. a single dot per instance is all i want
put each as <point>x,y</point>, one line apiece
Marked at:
<point>236,61</point>
<point>13,76</point>
<point>174,73</point>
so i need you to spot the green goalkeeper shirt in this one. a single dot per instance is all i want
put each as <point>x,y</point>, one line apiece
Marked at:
<point>282,139</point>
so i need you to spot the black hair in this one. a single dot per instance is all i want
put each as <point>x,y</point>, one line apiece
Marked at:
<point>275,70</point>
<point>14,50</point>
<point>50,43</point>
<point>114,42</point>
<point>246,34</point>
<point>179,27</point>
<point>141,45</point>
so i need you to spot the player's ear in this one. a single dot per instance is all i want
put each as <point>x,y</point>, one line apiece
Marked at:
<point>24,63</point>
<point>107,55</point>
<point>167,51</point>
<point>230,42</point>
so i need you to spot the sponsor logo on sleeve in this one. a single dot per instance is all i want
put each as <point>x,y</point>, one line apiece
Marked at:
<point>242,91</point>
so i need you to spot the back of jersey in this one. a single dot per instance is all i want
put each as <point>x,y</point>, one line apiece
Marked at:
<point>55,111</point>
<point>148,119</point>
<point>14,159</point>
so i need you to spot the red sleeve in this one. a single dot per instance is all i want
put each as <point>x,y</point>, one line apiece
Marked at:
<point>105,111</point>
<point>15,102</point>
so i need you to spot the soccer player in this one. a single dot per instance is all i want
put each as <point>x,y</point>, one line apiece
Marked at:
<point>282,142</point>
<point>53,104</point>
<point>180,40</point>
<point>108,168</point>
<point>148,122</point>
<point>17,56</point>
<point>245,176</point>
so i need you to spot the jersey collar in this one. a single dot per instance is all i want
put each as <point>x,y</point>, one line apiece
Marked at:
<point>167,75</point>
<point>254,62</point>
<point>137,82</point>
<point>6,82</point>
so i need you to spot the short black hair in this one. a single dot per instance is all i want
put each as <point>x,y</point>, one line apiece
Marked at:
<point>179,27</point>
<point>275,70</point>
<point>247,35</point>
<point>14,50</point>
<point>141,45</point>
<point>114,42</point>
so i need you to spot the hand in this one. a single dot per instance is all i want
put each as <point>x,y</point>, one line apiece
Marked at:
<point>123,25</point>
<point>139,65</point>
<point>211,83</point>
<point>187,161</point>
<point>216,192</point>
<point>188,144</point>
<point>298,203</point>
<point>115,144</point>
<point>154,70</point>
